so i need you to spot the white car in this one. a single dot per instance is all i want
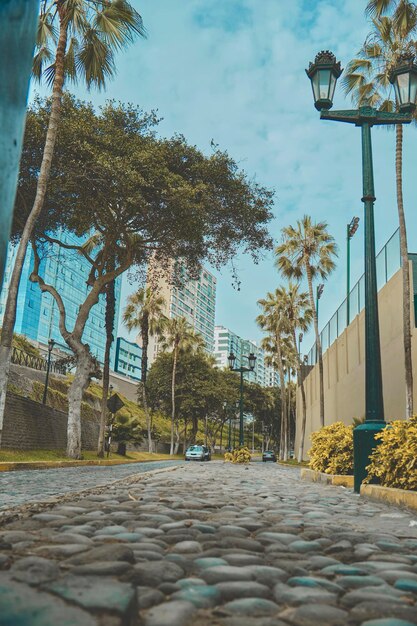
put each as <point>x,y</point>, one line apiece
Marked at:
<point>198,453</point>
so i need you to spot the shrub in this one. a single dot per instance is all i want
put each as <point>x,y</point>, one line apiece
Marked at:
<point>394,460</point>
<point>332,449</point>
<point>239,455</point>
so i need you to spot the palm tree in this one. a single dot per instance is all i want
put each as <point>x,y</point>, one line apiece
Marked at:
<point>144,311</point>
<point>367,80</point>
<point>274,321</point>
<point>178,335</point>
<point>308,249</point>
<point>76,40</point>
<point>300,316</point>
<point>397,8</point>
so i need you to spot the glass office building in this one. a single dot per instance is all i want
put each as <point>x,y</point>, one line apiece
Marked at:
<point>37,314</point>
<point>127,359</point>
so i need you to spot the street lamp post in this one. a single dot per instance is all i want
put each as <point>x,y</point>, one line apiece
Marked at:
<point>51,344</point>
<point>351,229</point>
<point>323,74</point>
<point>242,369</point>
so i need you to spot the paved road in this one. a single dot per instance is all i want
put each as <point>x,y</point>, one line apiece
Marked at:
<point>20,487</point>
<point>212,545</point>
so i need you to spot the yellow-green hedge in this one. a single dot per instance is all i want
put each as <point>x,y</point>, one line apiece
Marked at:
<point>394,460</point>
<point>240,455</point>
<point>332,449</point>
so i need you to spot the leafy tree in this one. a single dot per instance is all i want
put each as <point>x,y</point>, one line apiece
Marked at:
<point>178,336</point>
<point>126,430</point>
<point>76,40</point>
<point>144,312</point>
<point>143,197</point>
<point>308,250</point>
<point>367,80</point>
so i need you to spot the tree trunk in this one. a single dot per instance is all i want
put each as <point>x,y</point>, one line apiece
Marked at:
<point>174,371</point>
<point>109,322</point>
<point>318,343</point>
<point>144,373</point>
<point>80,383</point>
<point>282,452</point>
<point>405,274</point>
<point>45,168</point>
<point>300,383</point>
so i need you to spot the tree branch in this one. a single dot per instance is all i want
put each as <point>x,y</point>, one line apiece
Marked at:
<point>36,278</point>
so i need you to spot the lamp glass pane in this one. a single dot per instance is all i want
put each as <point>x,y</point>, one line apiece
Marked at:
<point>413,88</point>
<point>324,84</point>
<point>316,86</point>
<point>332,86</point>
<point>403,81</point>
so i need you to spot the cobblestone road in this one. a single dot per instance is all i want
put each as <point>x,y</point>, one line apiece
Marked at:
<point>34,485</point>
<point>212,545</point>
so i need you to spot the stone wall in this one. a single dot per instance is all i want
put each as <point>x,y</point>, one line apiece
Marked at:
<point>30,425</point>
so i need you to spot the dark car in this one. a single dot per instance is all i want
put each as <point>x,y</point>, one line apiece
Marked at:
<point>198,453</point>
<point>269,455</point>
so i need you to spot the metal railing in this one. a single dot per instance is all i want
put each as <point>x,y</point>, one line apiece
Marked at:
<point>388,261</point>
<point>20,357</point>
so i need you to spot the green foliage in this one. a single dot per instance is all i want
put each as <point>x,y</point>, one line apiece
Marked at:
<point>127,430</point>
<point>238,455</point>
<point>394,460</point>
<point>170,196</point>
<point>332,449</point>
<point>21,343</point>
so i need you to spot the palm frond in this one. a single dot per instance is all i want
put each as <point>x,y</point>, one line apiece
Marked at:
<point>94,60</point>
<point>42,57</point>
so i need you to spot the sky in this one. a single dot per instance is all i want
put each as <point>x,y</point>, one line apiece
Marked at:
<point>233,71</point>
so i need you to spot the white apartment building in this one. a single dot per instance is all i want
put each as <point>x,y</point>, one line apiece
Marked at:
<point>225,341</point>
<point>193,299</point>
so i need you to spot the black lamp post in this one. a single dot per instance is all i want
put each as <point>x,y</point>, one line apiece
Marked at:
<point>323,74</point>
<point>51,344</point>
<point>251,362</point>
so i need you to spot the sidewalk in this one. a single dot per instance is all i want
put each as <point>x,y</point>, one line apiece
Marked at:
<point>211,544</point>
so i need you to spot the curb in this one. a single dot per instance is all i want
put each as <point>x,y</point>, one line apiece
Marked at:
<point>26,510</point>
<point>390,495</point>
<point>337,480</point>
<point>12,466</point>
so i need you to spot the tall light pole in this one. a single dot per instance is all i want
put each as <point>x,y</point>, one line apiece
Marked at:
<point>51,344</point>
<point>251,362</point>
<point>319,293</point>
<point>323,74</point>
<point>351,229</point>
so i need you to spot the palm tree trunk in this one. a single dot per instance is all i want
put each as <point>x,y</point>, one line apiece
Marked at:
<point>144,372</point>
<point>109,321</point>
<point>174,372</point>
<point>405,273</point>
<point>318,342</point>
<point>300,383</point>
<point>283,438</point>
<point>45,168</point>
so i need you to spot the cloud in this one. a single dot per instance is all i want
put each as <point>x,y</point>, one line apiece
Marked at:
<point>233,71</point>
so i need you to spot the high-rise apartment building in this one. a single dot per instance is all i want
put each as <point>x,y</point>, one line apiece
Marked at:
<point>185,297</point>
<point>37,315</point>
<point>225,342</point>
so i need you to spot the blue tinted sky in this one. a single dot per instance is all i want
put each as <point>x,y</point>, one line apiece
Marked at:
<point>233,71</point>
